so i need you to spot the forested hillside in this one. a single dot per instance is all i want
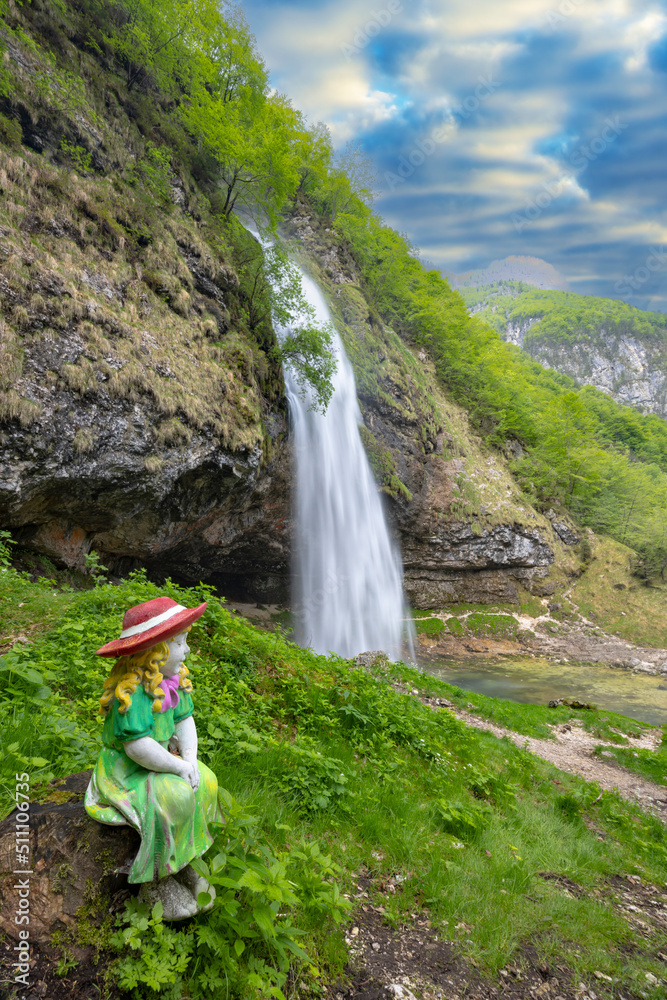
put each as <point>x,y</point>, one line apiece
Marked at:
<point>605,343</point>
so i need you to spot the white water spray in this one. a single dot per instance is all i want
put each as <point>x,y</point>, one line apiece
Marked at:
<point>347,576</point>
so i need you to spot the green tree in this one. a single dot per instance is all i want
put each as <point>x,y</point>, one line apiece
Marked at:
<point>159,40</point>
<point>254,142</point>
<point>274,297</point>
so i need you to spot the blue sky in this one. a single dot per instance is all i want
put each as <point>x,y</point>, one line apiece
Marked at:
<point>523,127</point>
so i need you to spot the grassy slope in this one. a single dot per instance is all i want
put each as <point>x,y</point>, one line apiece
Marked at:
<point>323,750</point>
<point>105,253</point>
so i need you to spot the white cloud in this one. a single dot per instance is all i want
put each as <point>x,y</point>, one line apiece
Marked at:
<point>492,161</point>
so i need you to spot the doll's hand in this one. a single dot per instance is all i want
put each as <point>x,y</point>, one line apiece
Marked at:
<point>190,772</point>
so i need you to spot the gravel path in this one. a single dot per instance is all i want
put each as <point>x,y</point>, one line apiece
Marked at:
<point>572,751</point>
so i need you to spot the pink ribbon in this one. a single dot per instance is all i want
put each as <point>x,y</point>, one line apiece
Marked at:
<point>170,687</point>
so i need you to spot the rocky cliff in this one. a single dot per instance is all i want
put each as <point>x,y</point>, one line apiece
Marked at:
<point>630,370</point>
<point>619,350</point>
<point>142,412</point>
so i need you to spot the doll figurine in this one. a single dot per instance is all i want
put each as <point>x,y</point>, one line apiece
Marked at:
<point>170,800</point>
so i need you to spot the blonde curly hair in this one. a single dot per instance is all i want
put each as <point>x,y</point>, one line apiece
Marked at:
<point>128,672</point>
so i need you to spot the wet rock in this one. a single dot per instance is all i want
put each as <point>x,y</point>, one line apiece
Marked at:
<point>572,703</point>
<point>372,658</point>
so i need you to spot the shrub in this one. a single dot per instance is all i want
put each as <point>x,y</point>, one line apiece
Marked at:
<point>11,133</point>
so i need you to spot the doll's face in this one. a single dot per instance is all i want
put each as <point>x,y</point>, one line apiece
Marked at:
<point>178,650</point>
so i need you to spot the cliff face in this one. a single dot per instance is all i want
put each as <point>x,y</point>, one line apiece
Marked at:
<point>619,350</point>
<point>629,370</point>
<point>142,415</point>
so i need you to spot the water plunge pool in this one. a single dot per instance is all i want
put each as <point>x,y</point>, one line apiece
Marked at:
<point>538,681</point>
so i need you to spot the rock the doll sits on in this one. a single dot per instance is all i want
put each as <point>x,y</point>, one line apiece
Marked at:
<point>170,800</point>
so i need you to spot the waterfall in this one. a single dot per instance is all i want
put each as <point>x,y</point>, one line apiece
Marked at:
<point>347,575</point>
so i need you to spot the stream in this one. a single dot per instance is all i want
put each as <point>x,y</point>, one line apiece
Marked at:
<point>538,681</point>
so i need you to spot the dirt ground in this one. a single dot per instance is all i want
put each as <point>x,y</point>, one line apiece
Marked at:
<point>416,963</point>
<point>572,751</point>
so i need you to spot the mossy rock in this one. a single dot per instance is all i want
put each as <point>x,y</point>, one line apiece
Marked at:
<point>429,626</point>
<point>496,625</point>
<point>454,626</point>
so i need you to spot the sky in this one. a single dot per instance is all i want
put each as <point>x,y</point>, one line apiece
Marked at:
<point>531,127</point>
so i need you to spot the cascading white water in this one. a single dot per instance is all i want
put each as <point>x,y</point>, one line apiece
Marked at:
<point>347,576</point>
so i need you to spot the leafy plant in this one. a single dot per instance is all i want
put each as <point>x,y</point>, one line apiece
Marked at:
<point>462,819</point>
<point>153,173</point>
<point>6,542</point>
<point>95,568</point>
<point>78,156</point>
<point>311,779</point>
<point>154,957</point>
<point>255,892</point>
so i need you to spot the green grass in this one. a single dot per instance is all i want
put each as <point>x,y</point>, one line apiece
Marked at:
<point>30,609</point>
<point>320,750</point>
<point>610,596</point>
<point>651,764</point>
<point>529,720</point>
<point>429,626</point>
<point>482,623</point>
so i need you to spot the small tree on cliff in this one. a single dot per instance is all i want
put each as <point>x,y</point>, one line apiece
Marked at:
<point>254,141</point>
<point>271,284</point>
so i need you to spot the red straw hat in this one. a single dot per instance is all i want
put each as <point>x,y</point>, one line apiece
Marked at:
<point>147,624</point>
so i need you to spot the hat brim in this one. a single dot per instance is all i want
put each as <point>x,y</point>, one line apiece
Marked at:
<point>137,643</point>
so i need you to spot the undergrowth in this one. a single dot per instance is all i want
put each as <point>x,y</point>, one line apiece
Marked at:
<point>328,774</point>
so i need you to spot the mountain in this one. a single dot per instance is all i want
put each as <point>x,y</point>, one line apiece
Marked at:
<point>529,270</point>
<point>605,343</point>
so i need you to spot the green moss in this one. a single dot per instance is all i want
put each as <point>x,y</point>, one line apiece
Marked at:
<point>62,875</point>
<point>11,133</point>
<point>429,626</point>
<point>454,626</point>
<point>383,464</point>
<point>489,624</point>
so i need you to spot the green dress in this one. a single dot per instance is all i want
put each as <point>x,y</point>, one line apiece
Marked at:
<point>172,819</point>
